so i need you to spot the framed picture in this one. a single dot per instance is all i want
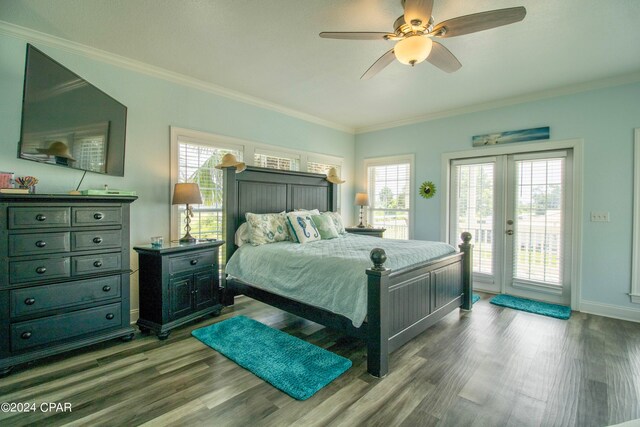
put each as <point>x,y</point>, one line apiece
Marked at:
<point>6,179</point>
<point>511,136</point>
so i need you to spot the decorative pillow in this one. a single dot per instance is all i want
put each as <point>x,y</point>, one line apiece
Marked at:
<point>310,212</point>
<point>325,226</point>
<point>337,221</point>
<point>243,234</point>
<point>267,228</point>
<point>302,227</point>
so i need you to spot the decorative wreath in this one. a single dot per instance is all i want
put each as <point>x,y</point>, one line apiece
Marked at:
<point>428,189</point>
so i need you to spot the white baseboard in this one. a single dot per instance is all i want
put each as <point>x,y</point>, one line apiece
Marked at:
<point>608,310</point>
<point>135,314</point>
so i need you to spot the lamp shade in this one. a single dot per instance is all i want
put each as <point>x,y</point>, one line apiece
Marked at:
<point>413,50</point>
<point>186,193</point>
<point>362,199</point>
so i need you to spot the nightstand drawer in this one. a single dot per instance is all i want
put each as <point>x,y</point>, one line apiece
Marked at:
<point>42,298</point>
<point>64,326</point>
<point>42,243</point>
<point>38,217</point>
<point>88,240</point>
<point>96,263</point>
<point>39,269</point>
<point>191,262</point>
<point>96,216</point>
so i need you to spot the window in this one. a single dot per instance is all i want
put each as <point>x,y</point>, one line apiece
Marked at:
<point>275,160</point>
<point>389,183</point>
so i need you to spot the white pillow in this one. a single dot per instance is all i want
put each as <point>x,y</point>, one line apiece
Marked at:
<point>337,221</point>
<point>302,227</point>
<point>243,234</point>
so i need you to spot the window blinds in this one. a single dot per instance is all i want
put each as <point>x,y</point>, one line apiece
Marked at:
<point>390,198</point>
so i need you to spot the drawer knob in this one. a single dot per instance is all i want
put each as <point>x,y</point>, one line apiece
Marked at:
<point>30,301</point>
<point>97,240</point>
<point>41,270</point>
<point>41,217</point>
<point>98,215</point>
<point>97,264</point>
<point>194,261</point>
<point>25,335</point>
<point>106,288</point>
<point>110,316</point>
<point>41,243</point>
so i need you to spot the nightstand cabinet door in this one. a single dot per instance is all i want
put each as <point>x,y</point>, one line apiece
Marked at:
<point>206,289</point>
<point>180,296</point>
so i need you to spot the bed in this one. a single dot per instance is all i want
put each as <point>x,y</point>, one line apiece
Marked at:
<point>400,302</point>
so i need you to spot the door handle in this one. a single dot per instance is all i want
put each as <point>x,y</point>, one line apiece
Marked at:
<point>509,232</point>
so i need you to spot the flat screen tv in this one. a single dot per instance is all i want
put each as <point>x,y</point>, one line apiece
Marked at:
<point>66,121</point>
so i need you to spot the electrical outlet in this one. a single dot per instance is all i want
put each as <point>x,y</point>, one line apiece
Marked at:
<point>599,216</point>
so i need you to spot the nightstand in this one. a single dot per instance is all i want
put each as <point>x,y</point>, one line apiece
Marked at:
<point>178,283</point>
<point>365,231</point>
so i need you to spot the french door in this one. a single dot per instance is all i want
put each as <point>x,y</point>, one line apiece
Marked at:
<point>518,210</point>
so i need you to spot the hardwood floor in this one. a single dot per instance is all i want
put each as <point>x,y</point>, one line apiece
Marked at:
<point>504,368</point>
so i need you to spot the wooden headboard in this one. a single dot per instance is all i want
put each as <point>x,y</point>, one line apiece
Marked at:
<point>261,190</point>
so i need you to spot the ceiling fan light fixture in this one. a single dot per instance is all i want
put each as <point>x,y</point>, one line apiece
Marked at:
<point>413,50</point>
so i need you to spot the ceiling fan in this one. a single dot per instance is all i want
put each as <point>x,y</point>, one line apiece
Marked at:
<point>414,31</point>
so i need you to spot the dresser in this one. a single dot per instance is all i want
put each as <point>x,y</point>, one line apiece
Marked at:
<point>178,283</point>
<point>366,231</point>
<point>64,274</point>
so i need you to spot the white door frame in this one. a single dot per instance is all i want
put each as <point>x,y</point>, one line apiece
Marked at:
<point>577,145</point>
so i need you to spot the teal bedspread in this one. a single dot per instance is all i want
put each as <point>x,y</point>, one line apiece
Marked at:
<point>327,273</point>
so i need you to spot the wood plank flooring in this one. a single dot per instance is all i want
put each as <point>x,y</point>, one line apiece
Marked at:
<point>489,367</point>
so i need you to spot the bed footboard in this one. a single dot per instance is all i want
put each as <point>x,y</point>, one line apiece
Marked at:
<point>402,304</point>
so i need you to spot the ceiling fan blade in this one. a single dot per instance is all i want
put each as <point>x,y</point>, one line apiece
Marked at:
<point>442,58</point>
<point>417,10</point>
<point>355,35</point>
<point>377,66</point>
<point>479,22</point>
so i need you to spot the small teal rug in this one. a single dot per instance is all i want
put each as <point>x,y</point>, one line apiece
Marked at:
<point>537,307</point>
<point>475,298</point>
<point>288,363</point>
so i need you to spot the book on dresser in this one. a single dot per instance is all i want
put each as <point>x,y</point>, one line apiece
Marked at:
<point>64,274</point>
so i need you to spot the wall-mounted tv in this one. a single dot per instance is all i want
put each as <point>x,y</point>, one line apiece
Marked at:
<point>66,121</point>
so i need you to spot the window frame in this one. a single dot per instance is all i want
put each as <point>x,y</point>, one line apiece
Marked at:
<point>635,267</point>
<point>389,161</point>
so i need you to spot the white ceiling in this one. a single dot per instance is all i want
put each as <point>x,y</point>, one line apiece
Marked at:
<point>270,49</point>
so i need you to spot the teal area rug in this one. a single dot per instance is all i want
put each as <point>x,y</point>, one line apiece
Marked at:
<point>537,307</point>
<point>475,298</point>
<point>290,364</point>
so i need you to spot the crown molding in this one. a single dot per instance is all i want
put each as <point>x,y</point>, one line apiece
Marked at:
<point>505,102</point>
<point>33,36</point>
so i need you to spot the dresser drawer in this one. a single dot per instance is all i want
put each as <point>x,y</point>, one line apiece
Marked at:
<point>191,262</point>
<point>38,217</point>
<point>96,216</point>
<point>39,269</point>
<point>50,297</point>
<point>42,243</point>
<point>64,326</point>
<point>87,240</point>
<point>96,263</point>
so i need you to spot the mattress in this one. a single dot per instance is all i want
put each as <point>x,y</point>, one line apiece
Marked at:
<point>329,274</point>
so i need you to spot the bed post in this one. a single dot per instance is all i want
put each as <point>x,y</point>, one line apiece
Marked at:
<point>377,315</point>
<point>229,224</point>
<point>467,271</point>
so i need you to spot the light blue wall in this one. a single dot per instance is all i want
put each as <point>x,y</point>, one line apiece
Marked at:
<point>604,119</point>
<point>153,105</point>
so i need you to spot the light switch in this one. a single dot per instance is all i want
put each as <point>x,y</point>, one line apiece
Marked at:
<point>599,216</point>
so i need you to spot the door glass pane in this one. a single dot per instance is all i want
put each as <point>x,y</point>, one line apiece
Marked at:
<point>538,222</point>
<point>475,204</point>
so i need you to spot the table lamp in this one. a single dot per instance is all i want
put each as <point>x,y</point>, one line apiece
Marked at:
<point>187,193</point>
<point>362,199</point>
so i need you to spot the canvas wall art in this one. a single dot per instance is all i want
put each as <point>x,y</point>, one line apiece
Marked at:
<point>511,136</point>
